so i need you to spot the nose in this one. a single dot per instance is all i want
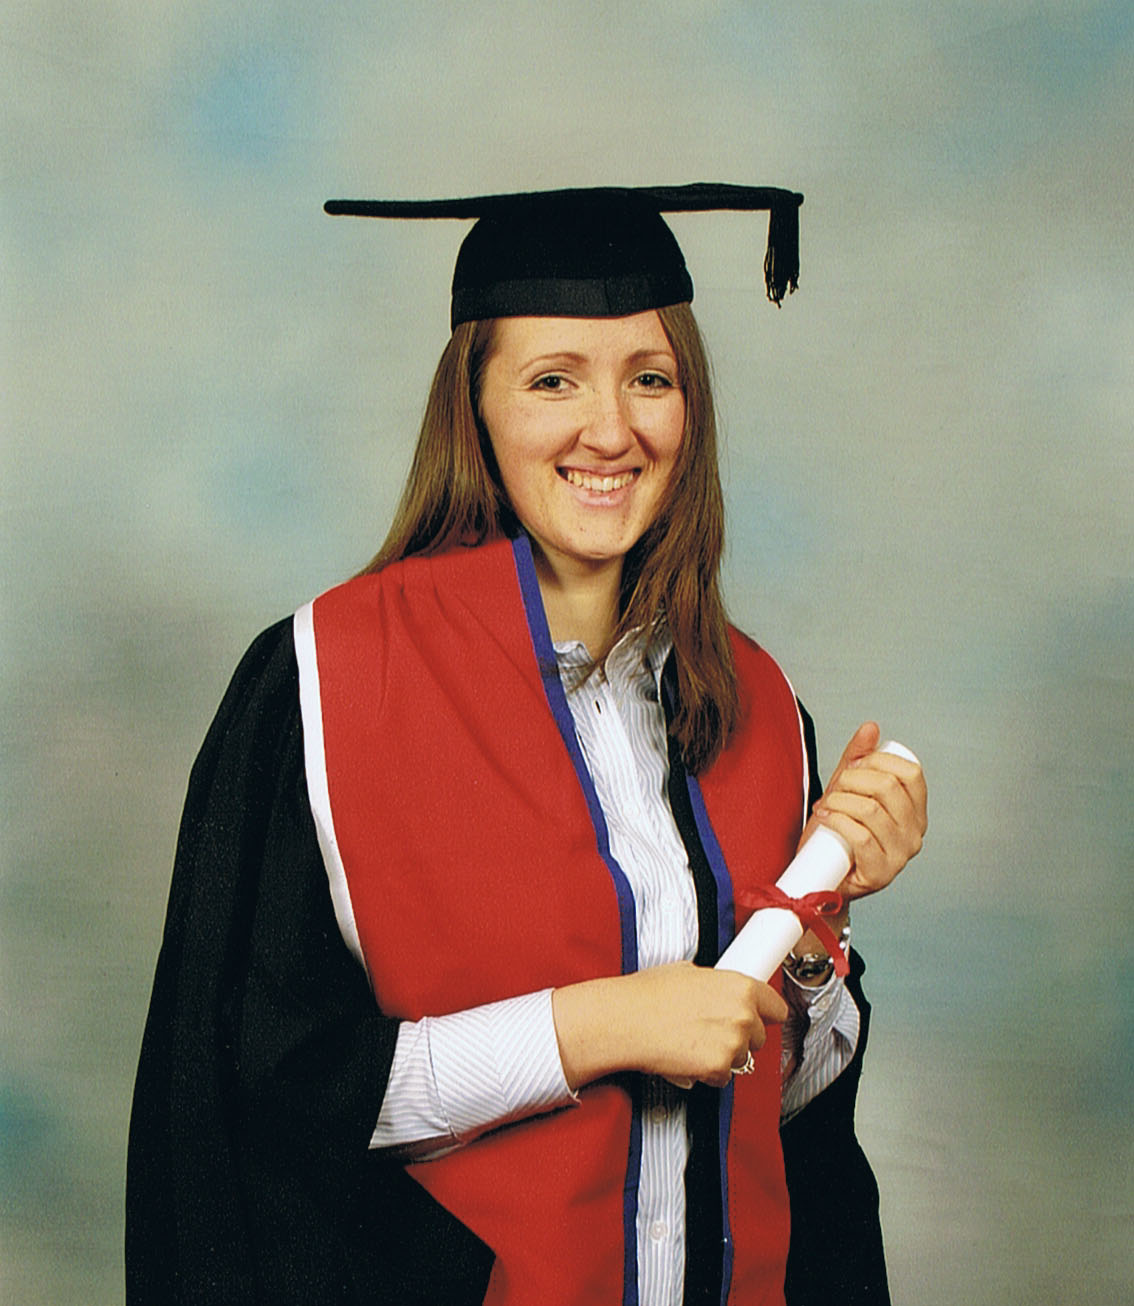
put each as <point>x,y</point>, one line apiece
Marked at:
<point>607,430</point>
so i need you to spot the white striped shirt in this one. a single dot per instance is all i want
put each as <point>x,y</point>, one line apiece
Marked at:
<point>455,1076</point>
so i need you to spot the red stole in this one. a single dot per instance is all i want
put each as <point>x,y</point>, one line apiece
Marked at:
<point>460,830</point>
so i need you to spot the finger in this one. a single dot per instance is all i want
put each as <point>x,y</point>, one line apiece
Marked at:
<point>885,808</point>
<point>862,743</point>
<point>770,1007</point>
<point>740,1063</point>
<point>746,1066</point>
<point>898,790</point>
<point>908,774</point>
<point>882,832</point>
<point>865,849</point>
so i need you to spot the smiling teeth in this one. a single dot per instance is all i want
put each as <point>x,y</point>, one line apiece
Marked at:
<point>599,484</point>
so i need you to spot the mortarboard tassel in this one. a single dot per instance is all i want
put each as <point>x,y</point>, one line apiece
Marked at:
<point>781,262</point>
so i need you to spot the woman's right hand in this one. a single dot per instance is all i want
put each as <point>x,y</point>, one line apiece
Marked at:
<point>681,1021</point>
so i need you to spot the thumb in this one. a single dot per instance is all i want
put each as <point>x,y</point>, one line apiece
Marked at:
<point>864,740</point>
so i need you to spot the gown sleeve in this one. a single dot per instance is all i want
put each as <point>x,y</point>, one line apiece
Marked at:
<point>265,1057</point>
<point>836,1252</point>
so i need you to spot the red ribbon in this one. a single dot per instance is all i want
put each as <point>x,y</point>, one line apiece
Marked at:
<point>810,910</point>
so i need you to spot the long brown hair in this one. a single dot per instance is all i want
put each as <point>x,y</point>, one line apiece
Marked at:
<point>454,497</point>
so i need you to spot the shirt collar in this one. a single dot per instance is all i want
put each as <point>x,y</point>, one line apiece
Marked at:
<point>634,664</point>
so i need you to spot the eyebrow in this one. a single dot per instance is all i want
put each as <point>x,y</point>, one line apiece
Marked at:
<point>567,356</point>
<point>564,356</point>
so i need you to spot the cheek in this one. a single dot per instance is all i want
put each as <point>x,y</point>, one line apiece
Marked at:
<point>524,437</point>
<point>671,434</point>
<point>498,428</point>
<point>517,463</point>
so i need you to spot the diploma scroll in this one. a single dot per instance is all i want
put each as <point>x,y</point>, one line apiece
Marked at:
<point>820,866</point>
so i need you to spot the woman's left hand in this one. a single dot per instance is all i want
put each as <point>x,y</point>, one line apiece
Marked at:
<point>877,802</point>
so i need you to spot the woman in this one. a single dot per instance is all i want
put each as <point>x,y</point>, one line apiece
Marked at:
<point>435,1018</point>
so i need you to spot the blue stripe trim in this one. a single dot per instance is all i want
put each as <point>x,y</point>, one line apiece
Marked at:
<point>727,1249</point>
<point>630,1197</point>
<point>557,699</point>
<point>726,906</point>
<point>726,928</point>
<point>627,910</point>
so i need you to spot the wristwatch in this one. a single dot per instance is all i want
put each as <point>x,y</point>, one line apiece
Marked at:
<point>807,967</point>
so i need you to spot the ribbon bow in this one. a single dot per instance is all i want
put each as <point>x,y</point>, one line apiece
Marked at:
<point>809,910</point>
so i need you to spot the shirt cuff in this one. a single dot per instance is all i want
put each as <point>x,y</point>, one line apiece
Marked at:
<point>832,1010</point>
<point>455,1076</point>
<point>823,1029</point>
<point>497,1063</point>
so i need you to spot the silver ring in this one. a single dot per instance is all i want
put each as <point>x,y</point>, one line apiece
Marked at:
<point>748,1067</point>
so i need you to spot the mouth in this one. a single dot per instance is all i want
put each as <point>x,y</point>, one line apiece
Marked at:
<point>597,484</point>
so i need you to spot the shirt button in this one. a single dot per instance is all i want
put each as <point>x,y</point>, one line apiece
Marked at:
<point>659,1230</point>
<point>659,1114</point>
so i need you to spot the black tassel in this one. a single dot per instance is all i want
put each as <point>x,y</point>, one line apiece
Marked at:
<point>781,262</point>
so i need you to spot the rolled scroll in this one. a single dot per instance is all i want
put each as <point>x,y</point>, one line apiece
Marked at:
<point>770,933</point>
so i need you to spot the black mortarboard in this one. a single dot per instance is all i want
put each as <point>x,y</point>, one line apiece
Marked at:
<point>597,252</point>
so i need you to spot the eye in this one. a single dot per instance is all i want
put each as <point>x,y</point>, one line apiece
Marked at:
<point>653,381</point>
<point>552,382</point>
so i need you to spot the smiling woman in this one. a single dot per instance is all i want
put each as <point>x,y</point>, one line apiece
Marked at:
<point>436,1018</point>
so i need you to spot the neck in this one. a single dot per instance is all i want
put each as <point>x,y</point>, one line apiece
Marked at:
<point>580,602</point>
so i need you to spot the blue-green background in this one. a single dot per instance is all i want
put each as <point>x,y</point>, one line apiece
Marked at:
<point>208,396</point>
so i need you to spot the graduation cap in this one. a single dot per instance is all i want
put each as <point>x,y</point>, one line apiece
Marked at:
<point>595,252</point>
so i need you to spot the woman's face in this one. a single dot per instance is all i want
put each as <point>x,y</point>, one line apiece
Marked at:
<point>585,417</point>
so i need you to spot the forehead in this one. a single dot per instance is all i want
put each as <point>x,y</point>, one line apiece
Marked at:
<point>532,337</point>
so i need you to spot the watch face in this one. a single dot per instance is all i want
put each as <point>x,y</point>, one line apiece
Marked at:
<point>810,966</point>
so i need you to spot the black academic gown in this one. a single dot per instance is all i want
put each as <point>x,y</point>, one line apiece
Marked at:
<point>265,1059</point>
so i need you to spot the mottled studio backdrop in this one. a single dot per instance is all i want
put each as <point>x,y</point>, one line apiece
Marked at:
<point>208,396</point>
